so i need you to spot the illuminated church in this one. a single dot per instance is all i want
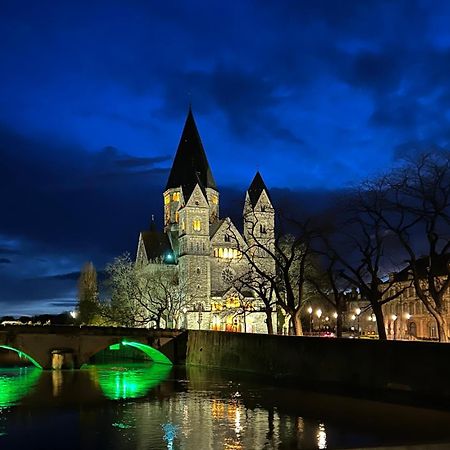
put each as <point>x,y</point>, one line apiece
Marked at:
<point>206,249</point>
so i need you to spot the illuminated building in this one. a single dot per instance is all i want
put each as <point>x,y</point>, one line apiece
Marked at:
<point>206,250</point>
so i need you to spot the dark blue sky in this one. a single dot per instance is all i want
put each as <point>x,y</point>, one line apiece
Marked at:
<point>317,95</point>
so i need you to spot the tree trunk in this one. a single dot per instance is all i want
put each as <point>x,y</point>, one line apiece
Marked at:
<point>376,307</point>
<point>442,328</point>
<point>297,323</point>
<point>269,321</point>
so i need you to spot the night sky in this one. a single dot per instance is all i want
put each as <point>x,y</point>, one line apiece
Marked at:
<point>316,95</point>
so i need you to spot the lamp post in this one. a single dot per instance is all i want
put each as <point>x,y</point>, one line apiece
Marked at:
<point>319,315</point>
<point>310,310</point>
<point>394,318</point>
<point>358,312</point>
<point>335,316</point>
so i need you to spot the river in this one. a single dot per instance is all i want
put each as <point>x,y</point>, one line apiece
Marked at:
<point>152,406</point>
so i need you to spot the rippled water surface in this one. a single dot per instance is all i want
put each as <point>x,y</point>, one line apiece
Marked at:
<point>159,407</point>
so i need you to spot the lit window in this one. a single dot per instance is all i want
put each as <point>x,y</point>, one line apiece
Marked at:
<point>177,216</point>
<point>214,200</point>
<point>197,225</point>
<point>176,196</point>
<point>182,225</point>
<point>167,199</point>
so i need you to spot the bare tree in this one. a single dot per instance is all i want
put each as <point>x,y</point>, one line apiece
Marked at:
<point>332,287</point>
<point>361,253</point>
<point>413,204</point>
<point>247,282</point>
<point>282,265</point>
<point>88,305</point>
<point>144,297</point>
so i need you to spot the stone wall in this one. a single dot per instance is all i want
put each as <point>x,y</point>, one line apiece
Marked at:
<point>409,370</point>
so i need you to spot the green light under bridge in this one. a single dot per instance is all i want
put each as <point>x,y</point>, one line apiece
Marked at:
<point>151,352</point>
<point>22,355</point>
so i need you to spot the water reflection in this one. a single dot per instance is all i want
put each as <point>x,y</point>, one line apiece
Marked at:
<point>16,383</point>
<point>132,381</point>
<point>191,409</point>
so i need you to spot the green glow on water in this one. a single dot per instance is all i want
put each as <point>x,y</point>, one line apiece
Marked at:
<point>114,347</point>
<point>132,381</point>
<point>154,354</point>
<point>16,383</point>
<point>22,355</point>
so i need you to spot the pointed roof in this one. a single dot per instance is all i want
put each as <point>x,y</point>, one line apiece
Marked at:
<point>256,188</point>
<point>190,165</point>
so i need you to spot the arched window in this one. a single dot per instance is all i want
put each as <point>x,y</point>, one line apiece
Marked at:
<point>262,229</point>
<point>197,225</point>
<point>176,196</point>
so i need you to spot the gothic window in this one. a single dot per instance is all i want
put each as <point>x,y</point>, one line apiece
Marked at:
<point>227,238</point>
<point>203,246</point>
<point>182,225</point>
<point>262,229</point>
<point>176,196</point>
<point>177,216</point>
<point>167,199</point>
<point>214,200</point>
<point>198,271</point>
<point>263,208</point>
<point>197,246</point>
<point>197,225</point>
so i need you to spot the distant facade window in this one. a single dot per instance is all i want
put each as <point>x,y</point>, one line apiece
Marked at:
<point>176,196</point>
<point>262,229</point>
<point>227,238</point>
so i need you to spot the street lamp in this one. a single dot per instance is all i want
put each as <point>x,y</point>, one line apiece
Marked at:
<point>358,312</point>
<point>394,318</point>
<point>319,315</point>
<point>310,310</point>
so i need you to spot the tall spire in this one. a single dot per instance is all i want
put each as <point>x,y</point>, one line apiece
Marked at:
<point>190,165</point>
<point>256,188</point>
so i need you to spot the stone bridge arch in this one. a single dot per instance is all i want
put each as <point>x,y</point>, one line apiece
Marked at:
<point>22,354</point>
<point>88,351</point>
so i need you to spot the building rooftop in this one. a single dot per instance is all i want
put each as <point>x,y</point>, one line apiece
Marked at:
<point>190,165</point>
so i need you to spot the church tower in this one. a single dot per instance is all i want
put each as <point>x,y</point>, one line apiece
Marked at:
<point>191,204</point>
<point>259,218</point>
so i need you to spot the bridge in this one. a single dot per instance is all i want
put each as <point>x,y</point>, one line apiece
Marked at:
<point>61,347</point>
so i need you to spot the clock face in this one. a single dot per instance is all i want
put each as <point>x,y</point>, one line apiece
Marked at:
<point>228,275</point>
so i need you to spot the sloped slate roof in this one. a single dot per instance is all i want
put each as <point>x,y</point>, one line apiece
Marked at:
<point>190,165</point>
<point>156,243</point>
<point>256,188</point>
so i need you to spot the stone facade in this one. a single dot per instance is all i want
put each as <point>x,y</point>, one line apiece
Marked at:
<point>208,252</point>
